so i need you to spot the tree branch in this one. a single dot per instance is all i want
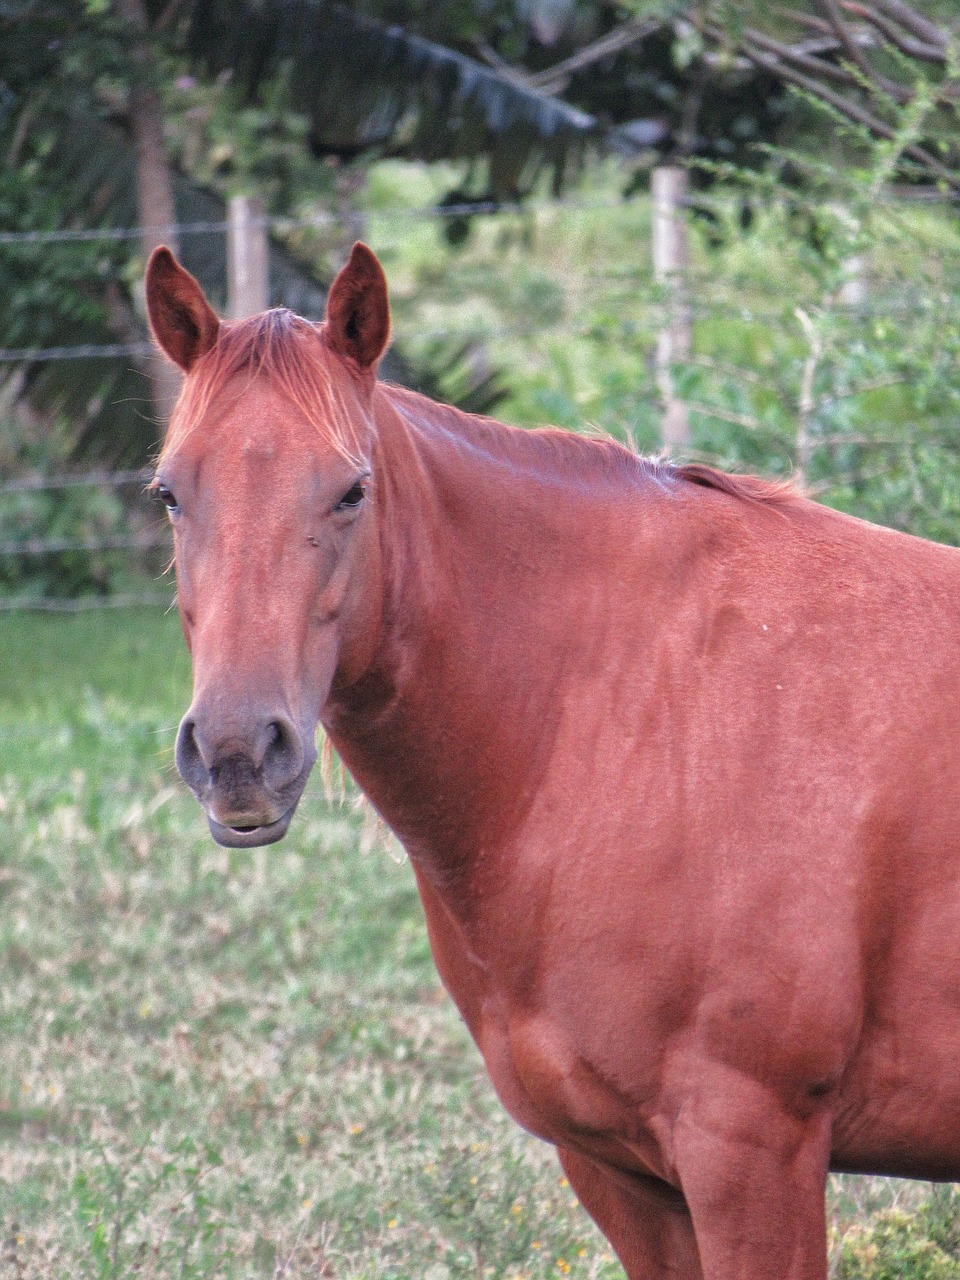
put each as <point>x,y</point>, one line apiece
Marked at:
<point>726,415</point>
<point>801,59</point>
<point>906,44</point>
<point>554,79</point>
<point>806,20</point>
<point>914,22</point>
<point>851,110</point>
<point>878,384</point>
<point>872,77</point>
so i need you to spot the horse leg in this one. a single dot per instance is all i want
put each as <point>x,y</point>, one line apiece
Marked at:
<point>753,1173</point>
<point>646,1221</point>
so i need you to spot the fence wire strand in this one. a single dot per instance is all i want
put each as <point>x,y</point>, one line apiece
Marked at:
<point>85,604</point>
<point>81,480</point>
<point>698,305</point>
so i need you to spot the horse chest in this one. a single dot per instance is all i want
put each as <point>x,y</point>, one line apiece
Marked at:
<point>558,1094</point>
<point>540,1074</point>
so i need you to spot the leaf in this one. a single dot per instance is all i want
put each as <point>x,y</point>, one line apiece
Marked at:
<point>371,88</point>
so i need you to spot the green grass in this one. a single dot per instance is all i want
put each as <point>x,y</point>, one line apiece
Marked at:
<point>241,1064</point>
<point>134,656</point>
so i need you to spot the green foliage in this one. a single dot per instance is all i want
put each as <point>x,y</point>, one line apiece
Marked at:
<point>234,146</point>
<point>900,1245</point>
<point>840,362</point>
<point>891,69</point>
<point>46,288</point>
<point>71,514</point>
<point>366,86</point>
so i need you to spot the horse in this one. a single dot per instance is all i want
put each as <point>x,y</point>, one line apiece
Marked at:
<point>673,754</point>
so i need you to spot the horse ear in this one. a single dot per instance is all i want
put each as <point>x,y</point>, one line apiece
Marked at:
<point>357,322</point>
<point>182,321</point>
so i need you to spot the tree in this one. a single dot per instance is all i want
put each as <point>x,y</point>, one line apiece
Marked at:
<point>520,93</point>
<point>886,66</point>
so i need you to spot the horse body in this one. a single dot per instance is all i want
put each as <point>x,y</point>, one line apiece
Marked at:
<point>672,755</point>
<point>713,648</point>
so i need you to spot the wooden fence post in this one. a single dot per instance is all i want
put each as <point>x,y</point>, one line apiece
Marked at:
<point>248,258</point>
<point>671,257</point>
<point>853,291</point>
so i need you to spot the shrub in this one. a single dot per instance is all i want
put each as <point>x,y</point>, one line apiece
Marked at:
<point>896,1245</point>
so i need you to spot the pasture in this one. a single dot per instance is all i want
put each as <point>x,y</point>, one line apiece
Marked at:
<point>240,1063</point>
<point>226,1064</point>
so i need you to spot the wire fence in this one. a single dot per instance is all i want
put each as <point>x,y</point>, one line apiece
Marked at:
<point>37,547</point>
<point>87,604</point>
<point>700,303</point>
<point>73,480</point>
<point>324,220</point>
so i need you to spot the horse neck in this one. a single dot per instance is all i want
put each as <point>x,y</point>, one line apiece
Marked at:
<point>490,549</point>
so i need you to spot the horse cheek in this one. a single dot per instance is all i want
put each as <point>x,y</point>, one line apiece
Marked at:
<point>360,613</point>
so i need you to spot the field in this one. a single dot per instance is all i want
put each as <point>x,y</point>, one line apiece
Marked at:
<point>239,1064</point>
<point>225,1064</point>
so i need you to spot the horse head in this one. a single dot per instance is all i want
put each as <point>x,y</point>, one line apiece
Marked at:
<point>267,478</point>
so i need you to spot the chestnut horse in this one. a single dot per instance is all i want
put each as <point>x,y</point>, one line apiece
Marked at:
<point>673,754</point>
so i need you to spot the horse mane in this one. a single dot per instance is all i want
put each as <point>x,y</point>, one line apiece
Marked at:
<point>290,352</point>
<point>592,452</point>
<point>749,488</point>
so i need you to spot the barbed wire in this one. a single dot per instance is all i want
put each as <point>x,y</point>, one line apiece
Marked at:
<point>321,219</point>
<point>88,351</point>
<point>83,604</point>
<point>82,235</point>
<point>57,546</point>
<point>897,307</point>
<point>69,480</point>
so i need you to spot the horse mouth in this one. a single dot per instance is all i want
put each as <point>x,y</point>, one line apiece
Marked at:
<point>250,837</point>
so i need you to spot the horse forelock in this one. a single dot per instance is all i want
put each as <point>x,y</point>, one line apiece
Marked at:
<point>287,351</point>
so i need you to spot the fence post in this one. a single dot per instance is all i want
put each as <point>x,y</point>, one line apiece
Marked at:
<point>671,257</point>
<point>248,258</point>
<point>853,291</point>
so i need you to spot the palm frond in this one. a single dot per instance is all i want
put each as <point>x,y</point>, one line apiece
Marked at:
<point>92,170</point>
<point>369,87</point>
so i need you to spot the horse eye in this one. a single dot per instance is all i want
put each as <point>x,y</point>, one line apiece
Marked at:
<point>166,496</point>
<point>352,498</point>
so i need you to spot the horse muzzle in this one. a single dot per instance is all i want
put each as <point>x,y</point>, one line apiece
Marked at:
<point>243,837</point>
<point>248,778</point>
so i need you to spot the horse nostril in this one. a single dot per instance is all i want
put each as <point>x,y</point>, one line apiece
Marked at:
<point>189,755</point>
<point>283,758</point>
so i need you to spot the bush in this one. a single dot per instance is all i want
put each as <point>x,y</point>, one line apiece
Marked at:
<point>896,1245</point>
<point>72,514</point>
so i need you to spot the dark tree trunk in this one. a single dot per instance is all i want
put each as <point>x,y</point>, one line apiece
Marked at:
<point>155,205</point>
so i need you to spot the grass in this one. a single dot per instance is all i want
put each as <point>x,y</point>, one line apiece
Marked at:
<point>240,1063</point>
<point>225,1064</point>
